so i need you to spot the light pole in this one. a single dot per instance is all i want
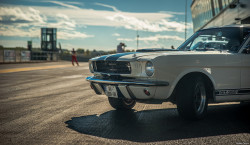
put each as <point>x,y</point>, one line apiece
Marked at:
<point>137,35</point>
<point>186,21</point>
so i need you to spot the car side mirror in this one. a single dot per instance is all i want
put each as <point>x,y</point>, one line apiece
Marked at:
<point>247,49</point>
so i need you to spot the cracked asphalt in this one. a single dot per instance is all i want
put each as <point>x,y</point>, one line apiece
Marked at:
<point>55,105</point>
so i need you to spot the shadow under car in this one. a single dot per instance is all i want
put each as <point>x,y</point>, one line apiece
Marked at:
<point>163,124</point>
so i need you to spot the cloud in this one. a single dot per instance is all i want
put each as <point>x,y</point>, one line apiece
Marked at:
<point>155,38</point>
<point>134,23</point>
<point>16,14</point>
<point>27,21</point>
<point>76,3</point>
<point>67,35</point>
<point>151,22</point>
<point>7,30</point>
<point>64,4</point>
<point>125,39</point>
<point>159,37</point>
<point>71,21</point>
<point>116,34</point>
<point>108,6</point>
<point>172,13</point>
<point>62,22</point>
<point>35,33</point>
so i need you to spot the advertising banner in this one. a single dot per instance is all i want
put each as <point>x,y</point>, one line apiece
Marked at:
<point>25,55</point>
<point>9,56</point>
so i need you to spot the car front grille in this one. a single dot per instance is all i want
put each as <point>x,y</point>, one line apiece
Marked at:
<point>116,67</point>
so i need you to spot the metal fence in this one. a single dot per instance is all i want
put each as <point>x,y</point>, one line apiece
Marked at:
<point>9,56</point>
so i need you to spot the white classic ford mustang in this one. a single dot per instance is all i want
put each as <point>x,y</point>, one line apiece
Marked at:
<point>213,65</point>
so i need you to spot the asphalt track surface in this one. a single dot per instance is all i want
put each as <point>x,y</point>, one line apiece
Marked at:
<point>55,105</point>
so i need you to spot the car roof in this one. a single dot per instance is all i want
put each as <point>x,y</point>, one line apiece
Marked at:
<point>228,26</point>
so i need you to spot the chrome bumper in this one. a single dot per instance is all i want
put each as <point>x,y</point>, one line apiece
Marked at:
<point>149,83</point>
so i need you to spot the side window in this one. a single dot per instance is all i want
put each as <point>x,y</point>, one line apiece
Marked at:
<point>234,38</point>
<point>209,40</point>
<point>188,46</point>
<point>246,38</point>
<point>228,39</point>
<point>247,48</point>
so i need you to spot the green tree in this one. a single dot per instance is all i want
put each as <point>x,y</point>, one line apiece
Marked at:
<point>80,51</point>
<point>112,52</point>
<point>87,52</point>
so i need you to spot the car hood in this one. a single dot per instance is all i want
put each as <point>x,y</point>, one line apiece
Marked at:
<point>134,56</point>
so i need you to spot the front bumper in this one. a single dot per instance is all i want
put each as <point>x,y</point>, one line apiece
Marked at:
<point>127,89</point>
<point>139,83</point>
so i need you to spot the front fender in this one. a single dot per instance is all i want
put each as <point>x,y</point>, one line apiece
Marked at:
<point>205,71</point>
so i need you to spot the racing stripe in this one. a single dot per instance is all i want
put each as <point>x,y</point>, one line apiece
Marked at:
<point>103,57</point>
<point>117,56</point>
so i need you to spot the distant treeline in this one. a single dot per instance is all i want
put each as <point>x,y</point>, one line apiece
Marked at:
<point>12,48</point>
<point>80,51</point>
<point>87,52</point>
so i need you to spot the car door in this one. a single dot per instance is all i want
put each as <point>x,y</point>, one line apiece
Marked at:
<point>245,69</point>
<point>227,71</point>
<point>225,68</point>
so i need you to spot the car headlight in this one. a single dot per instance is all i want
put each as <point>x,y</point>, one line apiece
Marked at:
<point>91,68</point>
<point>149,68</point>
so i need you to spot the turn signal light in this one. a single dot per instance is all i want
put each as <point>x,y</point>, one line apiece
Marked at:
<point>147,92</point>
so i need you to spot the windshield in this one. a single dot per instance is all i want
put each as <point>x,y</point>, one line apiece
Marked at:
<point>226,39</point>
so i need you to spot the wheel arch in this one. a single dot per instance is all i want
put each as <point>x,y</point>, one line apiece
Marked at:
<point>209,82</point>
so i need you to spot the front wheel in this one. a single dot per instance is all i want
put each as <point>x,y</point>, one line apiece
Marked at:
<point>192,99</point>
<point>121,103</point>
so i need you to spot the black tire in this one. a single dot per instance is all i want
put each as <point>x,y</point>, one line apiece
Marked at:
<point>192,99</point>
<point>121,103</point>
<point>245,105</point>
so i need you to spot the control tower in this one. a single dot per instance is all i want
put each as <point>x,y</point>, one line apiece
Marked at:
<point>48,39</point>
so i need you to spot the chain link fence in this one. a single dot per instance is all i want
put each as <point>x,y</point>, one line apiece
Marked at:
<point>15,56</point>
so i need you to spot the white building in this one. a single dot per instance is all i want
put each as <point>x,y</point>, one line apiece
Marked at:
<point>210,13</point>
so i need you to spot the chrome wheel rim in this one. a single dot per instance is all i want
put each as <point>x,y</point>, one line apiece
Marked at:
<point>200,98</point>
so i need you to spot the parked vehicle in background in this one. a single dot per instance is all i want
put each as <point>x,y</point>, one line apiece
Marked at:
<point>195,75</point>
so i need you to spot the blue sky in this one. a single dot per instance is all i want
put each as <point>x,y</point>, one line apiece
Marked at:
<point>95,24</point>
